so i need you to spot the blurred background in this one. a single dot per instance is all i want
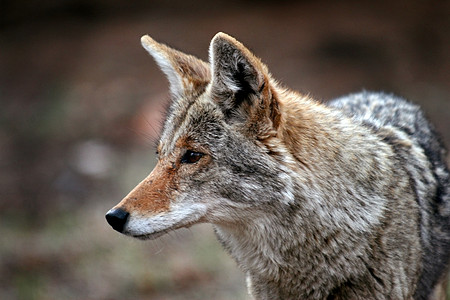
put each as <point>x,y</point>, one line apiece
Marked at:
<point>81,108</point>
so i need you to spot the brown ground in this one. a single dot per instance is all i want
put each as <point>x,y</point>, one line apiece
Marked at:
<point>81,104</point>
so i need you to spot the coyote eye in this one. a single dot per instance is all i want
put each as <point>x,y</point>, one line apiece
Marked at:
<point>191,157</point>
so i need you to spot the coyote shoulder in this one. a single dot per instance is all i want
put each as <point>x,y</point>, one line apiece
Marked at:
<point>345,200</point>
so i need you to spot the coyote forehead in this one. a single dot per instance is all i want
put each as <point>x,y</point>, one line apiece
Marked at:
<point>185,124</point>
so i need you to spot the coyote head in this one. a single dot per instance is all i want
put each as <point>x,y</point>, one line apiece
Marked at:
<point>220,158</point>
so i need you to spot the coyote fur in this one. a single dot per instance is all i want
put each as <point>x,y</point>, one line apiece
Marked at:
<point>345,200</point>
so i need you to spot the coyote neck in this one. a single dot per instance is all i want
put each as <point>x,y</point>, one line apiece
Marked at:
<point>309,130</point>
<point>282,261</point>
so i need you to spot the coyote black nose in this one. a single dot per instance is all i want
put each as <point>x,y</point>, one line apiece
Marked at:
<point>117,218</point>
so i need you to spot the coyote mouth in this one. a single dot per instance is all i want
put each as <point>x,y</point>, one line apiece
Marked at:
<point>156,234</point>
<point>151,236</point>
<point>152,227</point>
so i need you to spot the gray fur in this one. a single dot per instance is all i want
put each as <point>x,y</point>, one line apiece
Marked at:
<point>427,170</point>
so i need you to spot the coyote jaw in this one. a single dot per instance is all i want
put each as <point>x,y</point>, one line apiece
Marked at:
<point>152,227</point>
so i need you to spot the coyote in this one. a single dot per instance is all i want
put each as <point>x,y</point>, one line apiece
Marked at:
<point>345,200</point>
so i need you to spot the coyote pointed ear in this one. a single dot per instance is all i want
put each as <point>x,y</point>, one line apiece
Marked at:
<point>186,73</point>
<point>240,81</point>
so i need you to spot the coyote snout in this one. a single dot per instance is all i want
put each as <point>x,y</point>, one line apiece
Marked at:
<point>149,210</point>
<point>345,200</point>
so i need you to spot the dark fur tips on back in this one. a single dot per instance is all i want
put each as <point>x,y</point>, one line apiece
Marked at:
<point>379,110</point>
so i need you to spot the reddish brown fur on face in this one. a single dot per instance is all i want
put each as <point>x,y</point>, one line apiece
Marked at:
<point>153,194</point>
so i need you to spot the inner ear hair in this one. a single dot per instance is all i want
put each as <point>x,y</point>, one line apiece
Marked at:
<point>243,80</point>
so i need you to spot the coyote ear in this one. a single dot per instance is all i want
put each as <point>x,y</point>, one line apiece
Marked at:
<point>237,75</point>
<point>186,73</point>
<point>241,85</point>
